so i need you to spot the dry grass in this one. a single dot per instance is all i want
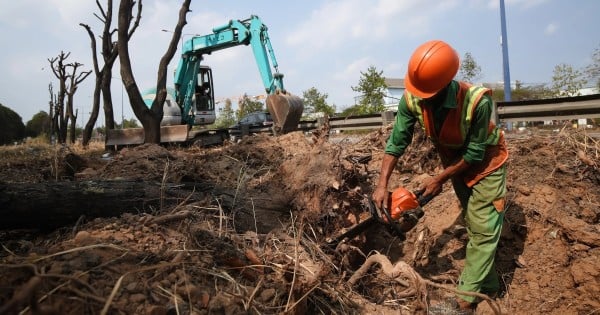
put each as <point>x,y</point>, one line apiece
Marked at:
<point>39,147</point>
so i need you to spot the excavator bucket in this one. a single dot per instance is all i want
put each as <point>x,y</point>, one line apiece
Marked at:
<point>286,111</point>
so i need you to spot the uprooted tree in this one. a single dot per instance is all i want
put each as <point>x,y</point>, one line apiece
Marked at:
<point>69,80</point>
<point>103,74</point>
<point>149,117</point>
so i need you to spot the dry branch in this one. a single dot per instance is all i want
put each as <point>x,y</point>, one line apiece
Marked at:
<point>403,269</point>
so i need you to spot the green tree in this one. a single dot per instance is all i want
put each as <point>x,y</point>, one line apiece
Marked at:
<point>316,102</point>
<point>567,81</point>
<point>593,69</point>
<point>372,89</point>
<point>353,110</point>
<point>246,105</point>
<point>226,117</point>
<point>128,123</point>
<point>469,69</point>
<point>38,125</point>
<point>523,93</point>
<point>11,126</point>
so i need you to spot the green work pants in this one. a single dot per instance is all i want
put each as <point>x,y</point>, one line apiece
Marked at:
<point>484,224</point>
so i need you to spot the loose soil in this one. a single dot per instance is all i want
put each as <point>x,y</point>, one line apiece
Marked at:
<point>255,241</point>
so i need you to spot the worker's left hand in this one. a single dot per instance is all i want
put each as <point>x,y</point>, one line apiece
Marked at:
<point>431,187</point>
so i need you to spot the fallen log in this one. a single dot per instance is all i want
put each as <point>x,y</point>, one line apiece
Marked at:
<point>54,204</point>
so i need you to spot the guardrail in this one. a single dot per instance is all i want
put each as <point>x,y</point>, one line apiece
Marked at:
<point>587,106</point>
<point>575,107</point>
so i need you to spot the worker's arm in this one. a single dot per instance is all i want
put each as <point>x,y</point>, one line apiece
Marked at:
<point>434,186</point>
<point>474,149</point>
<point>387,167</point>
<point>399,139</point>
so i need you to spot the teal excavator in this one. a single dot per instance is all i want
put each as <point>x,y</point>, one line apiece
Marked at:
<point>192,101</point>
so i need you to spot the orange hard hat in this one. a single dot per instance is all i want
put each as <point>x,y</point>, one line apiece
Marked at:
<point>401,200</point>
<point>430,68</point>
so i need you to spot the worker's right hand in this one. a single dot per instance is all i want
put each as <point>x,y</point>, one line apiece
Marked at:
<point>380,196</point>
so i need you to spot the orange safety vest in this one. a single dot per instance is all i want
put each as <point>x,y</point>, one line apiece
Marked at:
<point>455,128</point>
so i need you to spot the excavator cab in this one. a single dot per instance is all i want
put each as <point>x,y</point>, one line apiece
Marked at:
<point>203,102</point>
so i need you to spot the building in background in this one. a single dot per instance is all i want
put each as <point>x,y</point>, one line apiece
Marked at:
<point>395,90</point>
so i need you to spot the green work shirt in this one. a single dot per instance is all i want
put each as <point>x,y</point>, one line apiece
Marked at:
<point>475,143</point>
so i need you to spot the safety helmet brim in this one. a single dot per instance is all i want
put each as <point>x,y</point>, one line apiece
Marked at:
<point>412,89</point>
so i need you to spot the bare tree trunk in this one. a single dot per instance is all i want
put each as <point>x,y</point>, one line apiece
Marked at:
<point>51,114</point>
<point>109,116</point>
<point>150,118</point>
<point>104,74</point>
<point>89,126</point>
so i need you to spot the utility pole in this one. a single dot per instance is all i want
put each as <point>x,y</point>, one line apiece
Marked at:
<point>505,66</point>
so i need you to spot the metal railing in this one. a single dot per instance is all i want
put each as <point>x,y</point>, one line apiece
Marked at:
<point>565,108</point>
<point>532,110</point>
<point>575,107</point>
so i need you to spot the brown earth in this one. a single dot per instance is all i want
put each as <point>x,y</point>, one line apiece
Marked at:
<point>255,242</point>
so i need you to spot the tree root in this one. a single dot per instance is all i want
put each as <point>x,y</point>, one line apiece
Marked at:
<point>419,283</point>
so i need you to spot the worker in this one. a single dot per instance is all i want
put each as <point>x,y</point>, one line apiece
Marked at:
<point>456,117</point>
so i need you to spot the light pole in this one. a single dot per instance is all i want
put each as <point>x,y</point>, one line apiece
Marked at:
<point>505,66</point>
<point>122,114</point>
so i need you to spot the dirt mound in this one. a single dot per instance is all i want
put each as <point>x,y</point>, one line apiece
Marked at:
<point>255,241</point>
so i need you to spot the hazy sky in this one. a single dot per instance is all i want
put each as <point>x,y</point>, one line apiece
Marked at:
<point>318,43</point>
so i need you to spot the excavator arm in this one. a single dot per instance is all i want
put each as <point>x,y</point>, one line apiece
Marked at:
<point>192,101</point>
<point>285,108</point>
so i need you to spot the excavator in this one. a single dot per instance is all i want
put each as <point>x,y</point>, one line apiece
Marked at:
<point>192,101</point>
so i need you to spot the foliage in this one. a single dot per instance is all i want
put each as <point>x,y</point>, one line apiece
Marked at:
<point>372,89</point>
<point>354,110</point>
<point>316,102</point>
<point>226,116</point>
<point>247,105</point>
<point>11,126</point>
<point>593,69</point>
<point>469,69</point>
<point>523,93</point>
<point>128,123</point>
<point>567,81</point>
<point>38,125</point>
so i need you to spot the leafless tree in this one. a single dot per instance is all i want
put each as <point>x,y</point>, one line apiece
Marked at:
<point>109,53</point>
<point>68,82</point>
<point>74,80</point>
<point>149,117</point>
<point>59,69</point>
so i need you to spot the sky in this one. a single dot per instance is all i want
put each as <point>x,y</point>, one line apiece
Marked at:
<point>324,44</point>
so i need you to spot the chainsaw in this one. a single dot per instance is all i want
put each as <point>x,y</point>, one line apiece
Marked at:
<point>405,215</point>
